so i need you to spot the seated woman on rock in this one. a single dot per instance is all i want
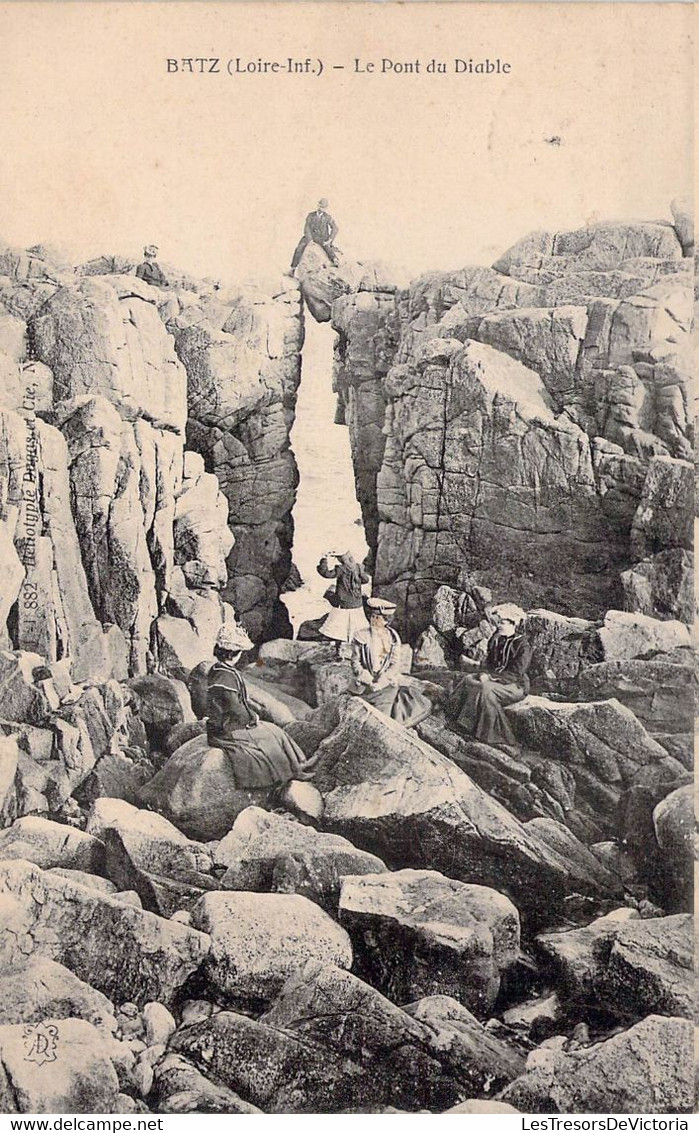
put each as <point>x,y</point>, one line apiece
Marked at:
<point>478,701</point>
<point>376,662</point>
<point>261,754</point>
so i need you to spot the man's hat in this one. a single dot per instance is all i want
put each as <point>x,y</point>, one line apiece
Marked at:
<point>150,250</point>
<point>233,638</point>
<point>381,606</point>
<point>323,203</point>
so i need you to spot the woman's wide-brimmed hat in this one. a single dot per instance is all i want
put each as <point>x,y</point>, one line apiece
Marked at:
<point>150,250</point>
<point>508,612</point>
<point>381,606</point>
<point>233,638</point>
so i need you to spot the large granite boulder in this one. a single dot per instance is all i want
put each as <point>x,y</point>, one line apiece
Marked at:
<point>49,844</point>
<point>128,954</point>
<point>195,791</point>
<point>602,744</point>
<point>146,853</point>
<point>417,933</point>
<point>478,1056</point>
<point>659,691</point>
<point>330,1043</point>
<point>266,852</point>
<point>625,636</point>
<point>258,940</point>
<point>392,794</point>
<point>56,1066</point>
<point>647,1069</point>
<point>42,989</point>
<point>629,968</point>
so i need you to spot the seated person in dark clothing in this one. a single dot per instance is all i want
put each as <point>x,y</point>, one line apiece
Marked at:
<point>260,753</point>
<point>149,271</point>
<point>477,703</point>
<point>320,228</point>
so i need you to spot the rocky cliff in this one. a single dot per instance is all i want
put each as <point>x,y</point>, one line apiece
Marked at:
<point>434,923</point>
<point>517,423</point>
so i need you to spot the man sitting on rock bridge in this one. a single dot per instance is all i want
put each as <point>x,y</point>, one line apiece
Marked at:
<point>320,228</point>
<point>150,271</point>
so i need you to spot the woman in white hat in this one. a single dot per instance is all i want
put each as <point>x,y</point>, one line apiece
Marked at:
<point>261,753</point>
<point>376,662</point>
<point>347,616</point>
<point>477,704</point>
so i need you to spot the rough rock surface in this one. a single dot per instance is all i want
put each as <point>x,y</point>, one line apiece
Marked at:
<point>42,989</point>
<point>552,390</point>
<point>602,744</point>
<point>258,940</point>
<point>417,933</point>
<point>629,968</point>
<point>79,1079</point>
<point>272,852</point>
<point>194,791</point>
<point>243,367</point>
<point>104,526</point>
<point>480,1058</point>
<point>328,1043</point>
<point>647,1069</point>
<point>180,1088</point>
<point>392,794</point>
<point>49,844</point>
<point>120,950</point>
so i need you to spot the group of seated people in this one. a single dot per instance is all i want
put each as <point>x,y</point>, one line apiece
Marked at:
<point>264,755</point>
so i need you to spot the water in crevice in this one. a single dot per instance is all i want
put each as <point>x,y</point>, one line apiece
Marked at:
<point>326,514</point>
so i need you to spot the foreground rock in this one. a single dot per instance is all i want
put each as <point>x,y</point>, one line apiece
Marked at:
<point>42,989</point>
<point>194,790</point>
<point>417,933</point>
<point>479,1058</point>
<point>628,968</point>
<point>50,844</point>
<point>267,852</point>
<point>392,794</point>
<point>146,853</point>
<point>329,1043</point>
<point>258,940</point>
<point>603,744</point>
<point>180,1088</point>
<point>647,1069</point>
<point>78,1078</point>
<point>122,951</point>
<point>674,824</point>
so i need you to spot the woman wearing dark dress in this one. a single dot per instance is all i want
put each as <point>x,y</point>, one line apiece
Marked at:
<point>376,662</point>
<point>477,704</point>
<point>347,616</point>
<point>261,754</point>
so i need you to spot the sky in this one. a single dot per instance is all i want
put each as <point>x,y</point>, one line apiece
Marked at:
<point>103,150</point>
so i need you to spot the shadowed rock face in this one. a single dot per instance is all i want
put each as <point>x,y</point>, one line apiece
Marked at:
<point>482,466</point>
<point>647,1068</point>
<point>242,358</point>
<point>394,795</point>
<point>101,515</point>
